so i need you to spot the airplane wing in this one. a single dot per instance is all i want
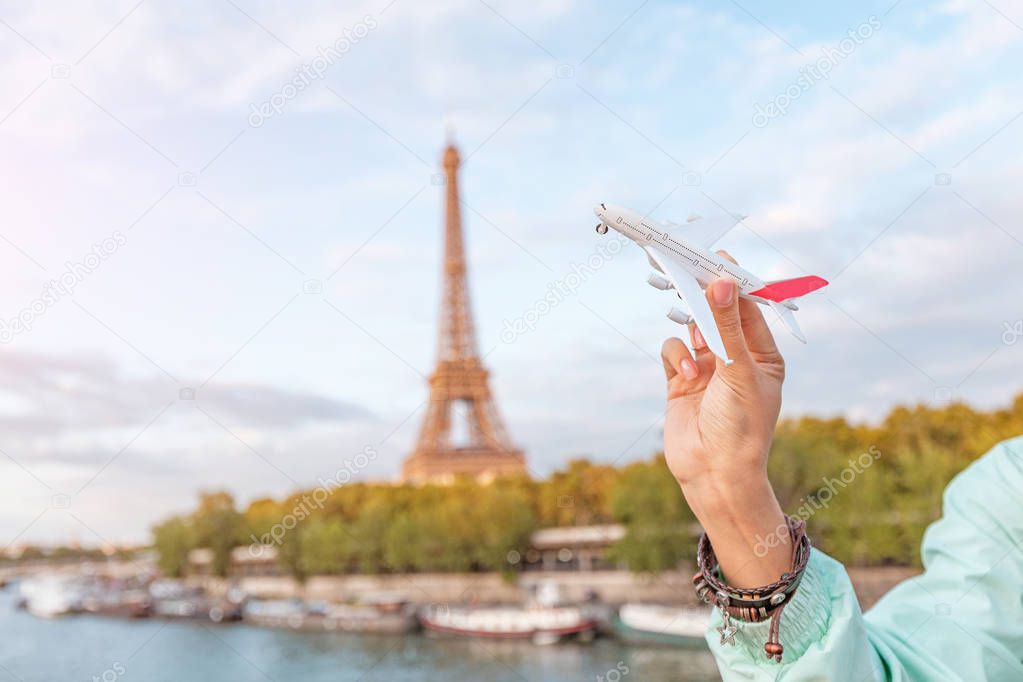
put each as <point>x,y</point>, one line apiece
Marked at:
<point>704,232</point>
<point>688,289</point>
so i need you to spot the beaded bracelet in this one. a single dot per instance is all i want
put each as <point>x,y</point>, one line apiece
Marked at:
<point>752,604</point>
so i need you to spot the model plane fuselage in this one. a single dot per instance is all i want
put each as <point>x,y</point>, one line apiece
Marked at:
<point>705,267</point>
<point>688,268</point>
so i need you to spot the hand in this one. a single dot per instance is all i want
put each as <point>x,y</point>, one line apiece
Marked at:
<point>721,418</point>
<point>717,435</point>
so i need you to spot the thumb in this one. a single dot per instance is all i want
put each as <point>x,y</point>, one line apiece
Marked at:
<point>723,297</point>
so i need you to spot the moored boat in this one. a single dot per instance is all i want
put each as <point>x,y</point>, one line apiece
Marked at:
<point>278,613</point>
<point>542,624</point>
<point>173,599</point>
<point>667,625</point>
<point>295,614</point>
<point>49,596</point>
<point>130,603</point>
<point>369,618</point>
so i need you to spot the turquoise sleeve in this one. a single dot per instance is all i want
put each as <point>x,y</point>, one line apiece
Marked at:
<point>962,619</point>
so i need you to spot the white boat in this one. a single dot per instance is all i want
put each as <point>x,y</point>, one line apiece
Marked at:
<point>369,618</point>
<point>49,596</point>
<point>653,624</point>
<point>542,624</point>
<point>282,613</point>
<point>295,614</point>
<point>174,599</point>
<point>545,619</point>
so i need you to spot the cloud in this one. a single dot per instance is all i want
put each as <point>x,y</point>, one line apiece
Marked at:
<point>51,396</point>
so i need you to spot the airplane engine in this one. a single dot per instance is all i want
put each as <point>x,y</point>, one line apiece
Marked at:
<point>676,315</point>
<point>601,228</point>
<point>658,281</point>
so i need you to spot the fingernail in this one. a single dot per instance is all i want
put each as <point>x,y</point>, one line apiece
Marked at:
<point>698,341</point>
<point>689,369</point>
<point>724,289</point>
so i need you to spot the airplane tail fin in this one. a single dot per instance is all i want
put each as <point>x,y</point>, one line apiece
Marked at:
<point>779,295</point>
<point>789,319</point>
<point>783,289</point>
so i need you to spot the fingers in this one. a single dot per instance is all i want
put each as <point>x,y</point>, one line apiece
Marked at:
<point>704,358</point>
<point>759,338</point>
<point>683,373</point>
<point>723,297</point>
<point>677,360</point>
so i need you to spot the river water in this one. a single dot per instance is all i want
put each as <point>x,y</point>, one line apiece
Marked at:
<point>108,649</point>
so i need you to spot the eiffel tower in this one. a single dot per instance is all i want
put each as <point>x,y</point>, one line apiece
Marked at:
<point>459,390</point>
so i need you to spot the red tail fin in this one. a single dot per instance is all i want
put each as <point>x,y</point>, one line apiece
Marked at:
<point>784,289</point>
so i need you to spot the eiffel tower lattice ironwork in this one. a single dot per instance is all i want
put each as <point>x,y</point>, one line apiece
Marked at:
<point>459,390</point>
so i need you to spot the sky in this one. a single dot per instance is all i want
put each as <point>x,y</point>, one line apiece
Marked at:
<point>222,228</point>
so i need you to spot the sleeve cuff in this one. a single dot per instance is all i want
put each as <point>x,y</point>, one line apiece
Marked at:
<point>804,621</point>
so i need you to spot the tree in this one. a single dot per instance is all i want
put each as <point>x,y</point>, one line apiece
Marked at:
<point>579,495</point>
<point>647,499</point>
<point>218,526</point>
<point>173,540</point>
<point>867,493</point>
<point>506,522</point>
<point>326,547</point>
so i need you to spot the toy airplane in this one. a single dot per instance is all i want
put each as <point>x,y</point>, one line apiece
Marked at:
<point>678,255</point>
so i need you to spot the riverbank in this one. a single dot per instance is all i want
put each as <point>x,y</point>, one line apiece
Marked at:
<point>613,587</point>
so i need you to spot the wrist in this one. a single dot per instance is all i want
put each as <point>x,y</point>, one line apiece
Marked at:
<point>727,492</point>
<point>746,526</point>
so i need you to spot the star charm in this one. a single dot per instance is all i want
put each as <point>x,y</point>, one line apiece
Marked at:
<point>727,633</point>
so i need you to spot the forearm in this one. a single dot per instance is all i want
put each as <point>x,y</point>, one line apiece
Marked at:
<point>746,527</point>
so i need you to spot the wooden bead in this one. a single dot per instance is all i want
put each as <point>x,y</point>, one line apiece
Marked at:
<point>774,649</point>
